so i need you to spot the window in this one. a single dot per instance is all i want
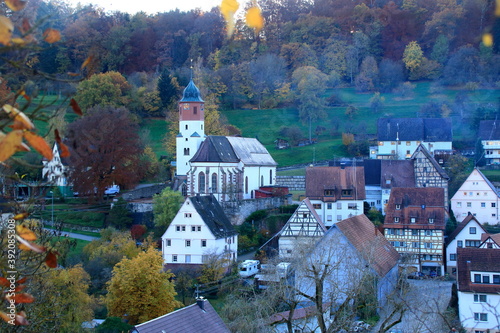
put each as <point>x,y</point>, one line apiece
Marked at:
<point>203,243</point>
<point>329,218</point>
<point>431,220</point>
<point>398,207</point>
<point>496,279</point>
<point>305,215</point>
<point>270,177</point>
<point>183,228</point>
<point>329,205</point>
<point>201,182</point>
<point>453,257</point>
<point>329,193</point>
<point>317,206</point>
<point>246,185</point>
<point>486,279</point>
<point>396,220</point>
<point>472,230</point>
<point>169,242</point>
<point>339,205</point>
<point>188,243</point>
<point>261,180</point>
<point>479,298</point>
<point>472,243</point>
<point>198,228</point>
<point>352,206</point>
<point>493,205</point>
<point>193,228</point>
<point>188,258</point>
<point>480,316</point>
<point>469,204</point>
<point>187,214</point>
<point>459,204</point>
<point>346,193</point>
<point>174,257</point>
<point>339,217</point>
<point>428,245</point>
<point>178,228</point>
<point>214,183</point>
<point>460,244</point>
<point>414,232</point>
<point>483,204</point>
<point>413,219</point>
<point>195,109</point>
<point>477,278</point>
<point>428,232</point>
<point>416,244</point>
<point>186,151</point>
<point>187,127</point>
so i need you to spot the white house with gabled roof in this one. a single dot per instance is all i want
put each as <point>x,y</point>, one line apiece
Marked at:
<point>200,229</point>
<point>477,196</point>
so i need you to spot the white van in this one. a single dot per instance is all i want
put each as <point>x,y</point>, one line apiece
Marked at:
<point>249,268</point>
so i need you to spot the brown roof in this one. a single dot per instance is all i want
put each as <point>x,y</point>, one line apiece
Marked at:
<point>336,179</point>
<point>370,242</point>
<point>420,203</point>
<point>397,173</point>
<point>462,225</point>
<point>191,318</point>
<point>494,237</point>
<point>477,259</point>
<point>299,313</point>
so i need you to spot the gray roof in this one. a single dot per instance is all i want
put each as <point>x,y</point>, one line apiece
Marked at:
<point>192,318</point>
<point>414,129</point>
<point>212,214</point>
<point>397,173</point>
<point>191,93</point>
<point>489,130</point>
<point>227,149</point>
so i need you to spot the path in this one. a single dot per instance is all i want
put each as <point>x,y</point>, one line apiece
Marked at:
<point>74,235</point>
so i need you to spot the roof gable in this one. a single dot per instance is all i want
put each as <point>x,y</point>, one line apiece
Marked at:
<point>422,150</point>
<point>461,226</point>
<point>480,260</point>
<point>369,242</point>
<point>250,151</point>
<point>298,225</point>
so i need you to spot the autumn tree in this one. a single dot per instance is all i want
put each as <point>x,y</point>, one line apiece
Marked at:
<point>104,89</point>
<point>214,267</point>
<point>61,300</point>
<point>310,84</point>
<point>268,74</point>
<point>140,290</point>
<point>165,207</point>
<point>105,150</point>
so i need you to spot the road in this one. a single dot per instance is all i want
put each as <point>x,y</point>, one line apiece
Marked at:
<point>75,235</point>
<point>427,301</point>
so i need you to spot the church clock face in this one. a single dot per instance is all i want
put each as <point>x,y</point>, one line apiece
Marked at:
<point>185,106</point>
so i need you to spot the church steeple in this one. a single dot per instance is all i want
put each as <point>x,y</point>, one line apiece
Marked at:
<point>191,127</point>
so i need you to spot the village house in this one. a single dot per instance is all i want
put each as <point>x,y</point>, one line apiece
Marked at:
<point>350,251</point>
<point>336,193</point>
<point>478,196</point>
<point>478,278</point>
<point>199,317</point>
<point>200,229</point>
<point>469,233</point>
<point>414,224</point>
<point>230,168</point>
<point>490,241</point>
<point>398,138</point>
<point>56,173</point>
<point>303,226</point>
<point>489,133</point>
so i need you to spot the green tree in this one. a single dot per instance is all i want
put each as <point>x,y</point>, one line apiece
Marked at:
<point>377,102</point>
<point>310,85</point>
<point>440,50</point>
<point>109,88</point>
<point>165,207</point>
<point>140,290</point>
<point>119,216</point>
<point>214,267</point>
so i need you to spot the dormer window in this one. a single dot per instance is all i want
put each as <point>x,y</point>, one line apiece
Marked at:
<point>413,219</point>
<point>347,193</point>
<point>329,193</point>
<point>398,207</point>
<point>431,220</point>
<point>396,220</point>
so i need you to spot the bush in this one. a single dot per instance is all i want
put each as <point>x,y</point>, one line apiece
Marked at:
<point>258,215</point>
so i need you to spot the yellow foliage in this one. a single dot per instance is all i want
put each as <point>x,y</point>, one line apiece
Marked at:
<point>141,289</point>
<point>6,28</point>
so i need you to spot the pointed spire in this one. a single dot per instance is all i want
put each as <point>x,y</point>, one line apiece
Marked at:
<point>191,93</point>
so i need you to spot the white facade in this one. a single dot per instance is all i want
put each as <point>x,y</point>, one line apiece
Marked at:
<point>333,212</point>
<point>404,149</point>
<point>188,239</point>
<point>491,151</point>
<point>374,197</point>
<point>479,312</point>
<point>54,171</point>
<point>478,196</point>
<point>469,236</point>
<point>191,135</point>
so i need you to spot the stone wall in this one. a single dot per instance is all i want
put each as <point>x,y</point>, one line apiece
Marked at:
<point>294,183</point>
<point>238,211</point>
<point>143,192</point>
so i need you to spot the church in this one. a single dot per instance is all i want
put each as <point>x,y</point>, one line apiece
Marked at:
<point>230,168</point>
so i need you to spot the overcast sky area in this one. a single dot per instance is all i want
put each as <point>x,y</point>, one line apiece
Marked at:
<point>150,6</point>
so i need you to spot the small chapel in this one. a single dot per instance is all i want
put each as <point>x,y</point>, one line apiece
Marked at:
<point>230,168</point>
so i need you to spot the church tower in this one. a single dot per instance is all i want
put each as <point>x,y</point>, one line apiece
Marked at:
<point>191,127</point>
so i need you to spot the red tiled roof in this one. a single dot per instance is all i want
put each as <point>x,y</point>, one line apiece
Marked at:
<point>477,259</point>
<point>336,179</point>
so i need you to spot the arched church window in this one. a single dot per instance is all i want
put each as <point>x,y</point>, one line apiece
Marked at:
<point>214,183</point>
<point>201,182</point>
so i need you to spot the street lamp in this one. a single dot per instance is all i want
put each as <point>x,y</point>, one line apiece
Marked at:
<point>52,194</point>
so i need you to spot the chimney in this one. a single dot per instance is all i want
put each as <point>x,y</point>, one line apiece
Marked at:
<point>201,302</point>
